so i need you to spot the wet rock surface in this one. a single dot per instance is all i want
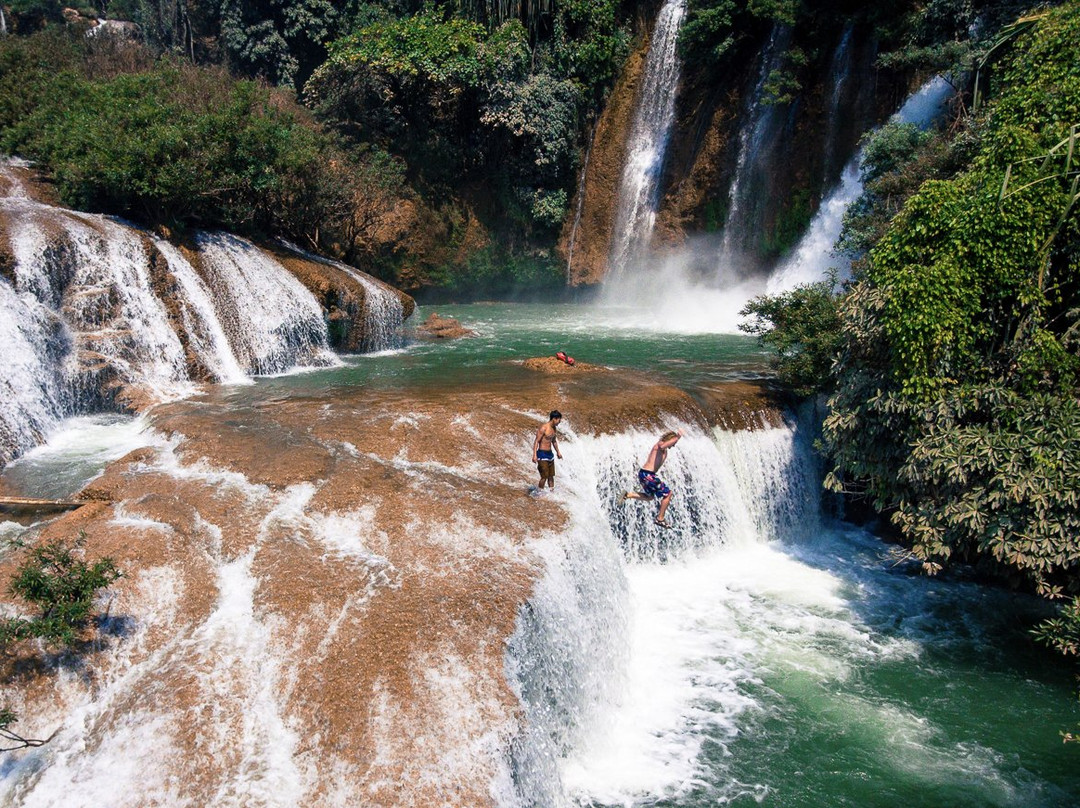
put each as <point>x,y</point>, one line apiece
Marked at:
<point>323,585</point>
<point>438,327</point>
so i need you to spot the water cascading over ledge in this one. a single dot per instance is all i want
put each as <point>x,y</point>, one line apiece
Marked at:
<point>635,209</point>
<point>99,315</point>
<point>637,101</point>
<point>568,659</point>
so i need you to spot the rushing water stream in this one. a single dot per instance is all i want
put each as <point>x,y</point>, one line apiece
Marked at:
<point>761,652</point>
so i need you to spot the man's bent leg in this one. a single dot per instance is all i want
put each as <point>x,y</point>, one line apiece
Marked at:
<point>663,507</point>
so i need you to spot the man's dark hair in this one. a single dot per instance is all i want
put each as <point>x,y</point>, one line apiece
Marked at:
<point>554,414</point>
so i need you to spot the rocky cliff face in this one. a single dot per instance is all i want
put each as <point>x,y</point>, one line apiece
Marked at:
<point>586,238</point>
<point>734,144</point>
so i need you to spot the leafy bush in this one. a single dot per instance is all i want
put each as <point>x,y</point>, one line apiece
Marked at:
<point>182,145</point>
<point>61,587</point>
<point>802,327</point>
<point>956,408</point>
<point>889,147</point>
<point>459,103</point>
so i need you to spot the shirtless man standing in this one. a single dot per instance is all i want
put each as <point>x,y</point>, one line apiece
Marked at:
<point>647,476</point>
<point>545,448</point>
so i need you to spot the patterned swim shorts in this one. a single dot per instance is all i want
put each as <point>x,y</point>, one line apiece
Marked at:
<point>652,484</point>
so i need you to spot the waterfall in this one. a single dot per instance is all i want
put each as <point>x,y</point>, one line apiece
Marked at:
<point>275,322</point>
<point>814,256</point>
<point>649,133</point>
<point>93,275</point>
<point>577,213</point>
<point>568,659</point>
<point>760,121</point>
<point>384,313</point>
<point>99,315</point>
<point>206,336</point>
<point>31,383</point>
<point>839,81</point>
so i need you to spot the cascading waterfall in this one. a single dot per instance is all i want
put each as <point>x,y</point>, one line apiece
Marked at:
<point>568,660</point>
<point>99,315</point>
<point>31,379</point>
<point>206,335</point>
<point>760,122</point>
<point>84,326</point>
<point>814,256</point>
<point>275,322</point>
<point>384,313</point>
<point>577,213</point>
<point>649,133</point>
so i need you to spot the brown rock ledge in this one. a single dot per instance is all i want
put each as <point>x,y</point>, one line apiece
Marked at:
<point>443,328</point>
<point>383,543</point>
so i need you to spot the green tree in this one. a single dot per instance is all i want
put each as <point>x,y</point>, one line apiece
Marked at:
<point>60,588</point>
<point>955,409</point>
<point>802,328</point>
<point>282,41</point>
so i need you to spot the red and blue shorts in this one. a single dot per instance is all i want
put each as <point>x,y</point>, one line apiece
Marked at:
<point>652,484</point>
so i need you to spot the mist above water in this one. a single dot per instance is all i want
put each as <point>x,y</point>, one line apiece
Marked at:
<point>672,296</point>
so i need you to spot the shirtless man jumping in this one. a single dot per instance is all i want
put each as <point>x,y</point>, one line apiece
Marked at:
<point>545,448</point>
<point>647,476</point>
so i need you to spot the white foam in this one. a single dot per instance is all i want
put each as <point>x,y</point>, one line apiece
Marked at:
<point>77,450</point>
<point>241,672</point>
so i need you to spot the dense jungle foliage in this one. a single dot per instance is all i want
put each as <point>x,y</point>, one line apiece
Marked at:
<point>434,145</point>
<point>953,356</point>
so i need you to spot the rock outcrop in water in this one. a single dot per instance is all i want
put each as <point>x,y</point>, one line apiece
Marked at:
<point>98,314</point>
<point>438,327</point>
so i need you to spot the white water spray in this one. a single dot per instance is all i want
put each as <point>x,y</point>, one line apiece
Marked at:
<point>610,685</point>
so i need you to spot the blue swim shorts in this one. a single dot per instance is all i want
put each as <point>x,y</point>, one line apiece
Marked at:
<point>652,484</point>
